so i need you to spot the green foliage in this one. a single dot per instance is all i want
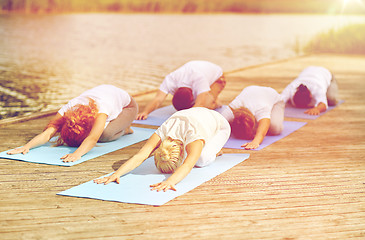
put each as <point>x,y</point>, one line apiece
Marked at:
<point>183,6</point>
<point>347,40</point>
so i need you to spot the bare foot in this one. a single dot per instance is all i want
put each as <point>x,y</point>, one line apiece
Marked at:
<point>128,130</point>
<point>220,153</point>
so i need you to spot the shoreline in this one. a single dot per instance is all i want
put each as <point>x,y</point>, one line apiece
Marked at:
<point>36,115</point>
<point>2,12</point>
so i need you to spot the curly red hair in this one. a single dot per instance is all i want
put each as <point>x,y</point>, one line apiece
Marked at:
<point>244,124</point>
<point>76,124</point>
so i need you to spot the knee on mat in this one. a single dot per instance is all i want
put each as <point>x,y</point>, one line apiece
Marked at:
<point>276,130</point>
<point>205,159</point>
<point>107,136</point>
<point>332,102</point>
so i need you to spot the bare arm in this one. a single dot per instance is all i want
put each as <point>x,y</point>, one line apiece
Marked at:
<point>38,140</point>
<point>321,107</point>
<point>193,150</point>
<point>263,127</point>
<point>153,105</point>
<point>207,100</point>
<point>90,141</point>
<point>285,94</point>
<point>133,162</point>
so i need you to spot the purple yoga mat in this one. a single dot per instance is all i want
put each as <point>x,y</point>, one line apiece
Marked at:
<point>293,112</point>
<point>289,127</point>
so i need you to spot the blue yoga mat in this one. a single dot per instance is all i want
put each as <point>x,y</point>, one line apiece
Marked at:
<point>158,116</point>
<point>289,127</point>
<point>46,154</point>
<point>134,187</point>
<point>293,112</point>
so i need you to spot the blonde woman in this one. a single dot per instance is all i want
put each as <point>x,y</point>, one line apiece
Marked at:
<point>191,137</point>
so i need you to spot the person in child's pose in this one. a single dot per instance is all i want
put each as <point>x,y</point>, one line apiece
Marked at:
<point>197,133</point>
<point>315,88</point>
<point>195,84</point>
<point>254,113</point>
<point>103,113</point>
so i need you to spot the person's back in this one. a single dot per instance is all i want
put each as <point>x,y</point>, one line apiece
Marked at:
<point>197,75</point>
<point>195,84</point>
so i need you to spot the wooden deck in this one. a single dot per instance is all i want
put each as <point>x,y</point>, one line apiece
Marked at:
<point>309,185</point>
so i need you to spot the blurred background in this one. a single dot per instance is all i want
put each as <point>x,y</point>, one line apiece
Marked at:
<point>53,50</point>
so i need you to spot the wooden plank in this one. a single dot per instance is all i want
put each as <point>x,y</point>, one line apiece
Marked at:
<point>309,185</point>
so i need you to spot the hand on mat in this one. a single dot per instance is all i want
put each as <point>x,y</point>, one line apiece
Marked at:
<point>250,145</point>
<point>312,111</point>
<point>142,116</point>
<point>106,180</point>
<point>22,150</point>
<point>163,186</point>
<point>70,158</point>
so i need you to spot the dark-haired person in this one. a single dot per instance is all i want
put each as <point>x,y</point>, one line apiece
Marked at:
<point>256,112</point>
<point>195,84</point>
<point>315,88</point>
<point>101,114</point>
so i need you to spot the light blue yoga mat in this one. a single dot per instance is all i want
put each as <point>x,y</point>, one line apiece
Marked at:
<point>134,187</point>
<point>46,154</point>
<point>293,112</point>
<point>289,127</point>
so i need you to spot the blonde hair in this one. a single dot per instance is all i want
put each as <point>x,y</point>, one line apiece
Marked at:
<point>169,155</point>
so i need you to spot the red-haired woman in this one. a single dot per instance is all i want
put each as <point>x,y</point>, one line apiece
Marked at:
<point>254,113</point>
<point>103,113</point>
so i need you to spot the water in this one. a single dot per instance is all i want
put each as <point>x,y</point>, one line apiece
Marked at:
<point>45,60</point>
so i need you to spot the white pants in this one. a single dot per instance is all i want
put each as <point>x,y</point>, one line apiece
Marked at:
<point>332,93</point>
<point>277,119</point>
<point>214,145</point>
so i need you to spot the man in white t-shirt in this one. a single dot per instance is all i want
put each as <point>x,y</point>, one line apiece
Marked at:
<point>195,84</point>
<point>315,88</point>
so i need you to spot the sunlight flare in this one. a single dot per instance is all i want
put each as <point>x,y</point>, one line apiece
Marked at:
<point>352,4</point>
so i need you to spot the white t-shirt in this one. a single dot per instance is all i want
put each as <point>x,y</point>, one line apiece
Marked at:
<point>197,75</point>
<point>259,100</point>
<point>192,124</point>
<point>109,99</point>
<point>317,80</point>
